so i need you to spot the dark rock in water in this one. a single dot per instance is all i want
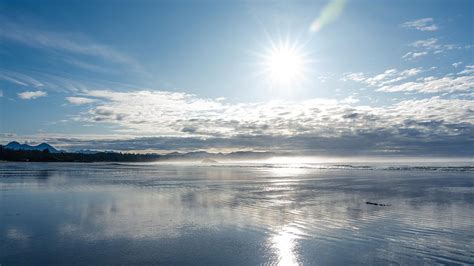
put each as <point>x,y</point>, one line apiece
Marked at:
<point>376,204</point>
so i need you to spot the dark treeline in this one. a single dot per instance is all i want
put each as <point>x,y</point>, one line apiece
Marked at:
<point>7,154</point>
<point>46,156</point>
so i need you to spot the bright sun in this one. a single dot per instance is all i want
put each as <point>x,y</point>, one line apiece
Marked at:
<point>285,64</point>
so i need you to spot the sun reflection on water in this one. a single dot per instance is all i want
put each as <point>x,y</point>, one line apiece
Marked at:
<point>284,244</point>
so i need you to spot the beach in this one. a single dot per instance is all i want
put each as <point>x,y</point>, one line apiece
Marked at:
<point>110,213</point>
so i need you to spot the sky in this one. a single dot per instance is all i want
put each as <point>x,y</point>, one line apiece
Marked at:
<point>306,77</point>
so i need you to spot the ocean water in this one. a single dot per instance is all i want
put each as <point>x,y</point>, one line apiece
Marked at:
<point>236,213</point>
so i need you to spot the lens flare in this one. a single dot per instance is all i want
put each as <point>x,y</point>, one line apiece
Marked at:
<point>329,14</point>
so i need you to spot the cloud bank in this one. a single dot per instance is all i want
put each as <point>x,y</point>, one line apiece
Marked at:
<point>179,121</point>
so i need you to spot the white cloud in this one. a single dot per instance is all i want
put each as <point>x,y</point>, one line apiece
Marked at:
<point>414,55</point>
<point>433,85</point>
<point>431,43</point>
<point>391,81</point>
<point>350,100</point>
<point>468,70</point>
<point>457,64</point>
<point>28,95</point>
<point>387,77</point>
<point>159,113</point>
<point>160,120</point>
<point>79,100</point>
<point>424,24</point>
<point>358,77</point>
<point>430,46</point>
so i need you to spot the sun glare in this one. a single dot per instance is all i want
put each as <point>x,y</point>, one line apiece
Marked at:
<point>285,63</point>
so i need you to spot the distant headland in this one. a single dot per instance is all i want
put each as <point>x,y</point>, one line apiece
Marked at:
<point>45,152</point>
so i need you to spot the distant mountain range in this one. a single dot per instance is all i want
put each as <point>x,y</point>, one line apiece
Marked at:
<point>25,147</point>
<point>15,151</point>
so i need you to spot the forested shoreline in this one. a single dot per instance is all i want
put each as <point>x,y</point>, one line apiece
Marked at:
<point>13,155</point>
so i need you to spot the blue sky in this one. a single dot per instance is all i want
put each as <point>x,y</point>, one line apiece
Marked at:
<point>374,77</point>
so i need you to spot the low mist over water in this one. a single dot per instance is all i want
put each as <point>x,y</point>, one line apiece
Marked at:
<point>236,213</point>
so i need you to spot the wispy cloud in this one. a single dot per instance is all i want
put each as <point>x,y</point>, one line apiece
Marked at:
<point>89,66</point>
<point>389,76</point>
<point>391,81</point>
<point>41,80</point>
<point>57,83</point>
<point>433,85</point>
<point>29,95</point>
<point>19,79</point>
<point>64,42</point>
<point>431,43</point>
<point>430,46</point>
<point>457,64</point>
<point>468,70</point>
<point>424,24</point>
<point>414,55</point>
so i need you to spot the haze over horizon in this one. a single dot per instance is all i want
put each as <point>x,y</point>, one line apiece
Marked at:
<point>323,78</point>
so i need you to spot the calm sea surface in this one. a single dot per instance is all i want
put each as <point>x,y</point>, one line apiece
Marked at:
<point>54,213</point>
